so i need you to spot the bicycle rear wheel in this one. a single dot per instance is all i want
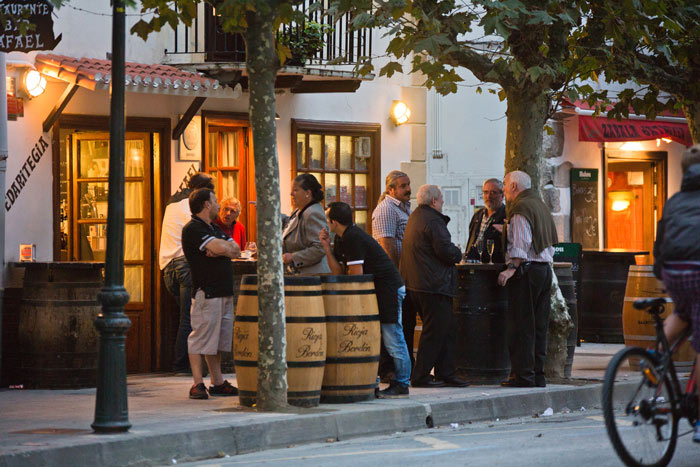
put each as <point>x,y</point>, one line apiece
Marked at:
<point>644,431</point>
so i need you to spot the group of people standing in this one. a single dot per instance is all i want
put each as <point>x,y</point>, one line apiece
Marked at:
<point>410,254</point>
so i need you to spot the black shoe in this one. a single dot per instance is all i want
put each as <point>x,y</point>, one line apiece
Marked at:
<point>198,391</point>
<point>541,382</point>
<point>394,391</point>
<point>430,383</point>
<point>517,383</point>
<point>223,389</point>
<point>455,382</point>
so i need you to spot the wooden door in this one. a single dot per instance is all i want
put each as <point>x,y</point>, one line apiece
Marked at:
<point>229,160</point>
<point>89,190</point>
<point>632,204</point>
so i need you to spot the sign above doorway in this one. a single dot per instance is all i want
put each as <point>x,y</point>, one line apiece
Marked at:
<point>27,26</point>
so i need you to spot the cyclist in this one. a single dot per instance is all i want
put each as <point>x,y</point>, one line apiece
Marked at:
<point>677,256</point>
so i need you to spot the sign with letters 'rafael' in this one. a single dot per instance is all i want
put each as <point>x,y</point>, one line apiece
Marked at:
<point>27,25</point>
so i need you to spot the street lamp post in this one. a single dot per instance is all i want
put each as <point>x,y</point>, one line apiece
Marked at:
<point>111,408</point>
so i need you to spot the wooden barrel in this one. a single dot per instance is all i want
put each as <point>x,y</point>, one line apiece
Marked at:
<point>306,340</point>
<point>638,325</point>
<point>57,337</point>
<point>568,290</point>
<point>354,336</point>
<point>603,279</point>
<point>480,310</point>
<point>240,268</point>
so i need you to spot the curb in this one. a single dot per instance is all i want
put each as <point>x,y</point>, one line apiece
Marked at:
<point>144,448</point>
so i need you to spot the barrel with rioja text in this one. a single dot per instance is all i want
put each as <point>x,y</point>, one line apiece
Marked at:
<point>352,323</point>
<point>306,340</point>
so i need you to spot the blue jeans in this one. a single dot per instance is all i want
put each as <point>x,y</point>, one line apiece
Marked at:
<point>392,335</point>
<point>176,276</point>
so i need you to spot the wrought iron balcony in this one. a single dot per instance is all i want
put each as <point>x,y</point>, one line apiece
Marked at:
<point>204,41</point>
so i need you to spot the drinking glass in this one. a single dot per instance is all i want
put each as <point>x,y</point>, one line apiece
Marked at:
<point>489,247</point>
<point>250,246</point>
<point>480,248</point>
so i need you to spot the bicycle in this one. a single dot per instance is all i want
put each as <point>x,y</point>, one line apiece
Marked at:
<point>646,432</point>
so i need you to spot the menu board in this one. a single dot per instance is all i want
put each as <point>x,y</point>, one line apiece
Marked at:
<point>584,207</point>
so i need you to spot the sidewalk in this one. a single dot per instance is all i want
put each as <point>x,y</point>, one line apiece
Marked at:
<point>43,427</point>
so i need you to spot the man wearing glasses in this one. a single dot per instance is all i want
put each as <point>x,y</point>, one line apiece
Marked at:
<point>487,224</point>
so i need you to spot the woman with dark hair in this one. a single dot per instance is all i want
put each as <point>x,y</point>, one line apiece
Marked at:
<point>302,251</point>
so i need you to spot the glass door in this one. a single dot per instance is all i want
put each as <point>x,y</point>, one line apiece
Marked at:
<point>90,169</point>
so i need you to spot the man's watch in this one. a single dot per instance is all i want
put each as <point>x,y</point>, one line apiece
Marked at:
<point>512,266</point>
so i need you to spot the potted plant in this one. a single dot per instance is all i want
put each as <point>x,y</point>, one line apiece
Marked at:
<point>304,43</point>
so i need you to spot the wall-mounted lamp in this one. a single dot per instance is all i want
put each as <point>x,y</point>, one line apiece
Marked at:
<point>34,83</point>
<point>400,113</point>
<point>277,116</point>
<point>665,140</point>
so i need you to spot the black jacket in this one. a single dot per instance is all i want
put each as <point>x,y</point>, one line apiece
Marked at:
<point>491,234</point>
<point>428,256</point>
<point>678,231</point>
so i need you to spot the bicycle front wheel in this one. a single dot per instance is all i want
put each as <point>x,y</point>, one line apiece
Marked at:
<point>644,429</point>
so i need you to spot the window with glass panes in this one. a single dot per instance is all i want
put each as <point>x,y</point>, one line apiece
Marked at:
<point>344,159</point>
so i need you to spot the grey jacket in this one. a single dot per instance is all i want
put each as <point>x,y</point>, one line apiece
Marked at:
<point>300,237</point>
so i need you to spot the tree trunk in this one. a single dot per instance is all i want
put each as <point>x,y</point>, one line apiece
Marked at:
<point>527,113</point>
<point>692,114</point>
<point>560,325</point>
<point>262,64</point>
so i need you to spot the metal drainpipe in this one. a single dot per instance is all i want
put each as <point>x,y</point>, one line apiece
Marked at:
<point>3,170</point>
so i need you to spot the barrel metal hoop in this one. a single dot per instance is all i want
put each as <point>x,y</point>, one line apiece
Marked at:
<point>351,318</point>
<point>287,293</point>
<point>305,319</point>
<point>246,363</point>
<point>288,319</point>
<point>349,292</point>
<point>337,360</point>
<point>356,387</point>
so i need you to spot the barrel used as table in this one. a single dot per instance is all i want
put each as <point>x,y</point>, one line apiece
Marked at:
<point>352,325</point>
<point>56,333</point>
<point>480,310</point>
<point>241,267</point>
<point>567,286</point>
<point>638,325</point>
<point>603,280</point>
<point>306,340</point>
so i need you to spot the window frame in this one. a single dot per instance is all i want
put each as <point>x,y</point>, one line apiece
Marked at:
<point>337,129</point>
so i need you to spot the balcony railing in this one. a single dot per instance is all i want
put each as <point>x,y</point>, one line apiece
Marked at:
<point>204,41</point>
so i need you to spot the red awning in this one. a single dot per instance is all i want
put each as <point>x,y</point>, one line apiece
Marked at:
<point>602,129</point>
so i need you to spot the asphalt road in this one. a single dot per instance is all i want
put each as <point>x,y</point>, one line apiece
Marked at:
<point>574,439</point>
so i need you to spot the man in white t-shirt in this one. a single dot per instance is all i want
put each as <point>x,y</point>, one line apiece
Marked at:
<point>171,259</point>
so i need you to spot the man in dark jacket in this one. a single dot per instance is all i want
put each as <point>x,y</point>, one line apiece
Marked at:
<point>487,224</point>
<point>677,256</point>
<point>428,269</point>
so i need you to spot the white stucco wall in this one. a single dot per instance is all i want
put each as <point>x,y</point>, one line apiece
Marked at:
<point>31,216</point>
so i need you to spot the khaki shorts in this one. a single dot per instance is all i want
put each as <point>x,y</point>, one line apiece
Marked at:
<point>212,325</point>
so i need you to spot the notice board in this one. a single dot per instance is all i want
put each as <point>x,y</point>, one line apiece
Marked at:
<point>584,207</point>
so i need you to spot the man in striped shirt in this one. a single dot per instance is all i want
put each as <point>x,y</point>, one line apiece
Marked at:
<point>530,234</point>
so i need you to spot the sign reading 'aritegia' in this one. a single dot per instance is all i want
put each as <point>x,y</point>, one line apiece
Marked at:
<point>17,16</point>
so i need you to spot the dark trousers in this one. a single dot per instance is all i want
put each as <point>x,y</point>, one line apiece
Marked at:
<point>528,321</point>
<point>408,319</point>
<point>438,341</point>
<point>176,276</point>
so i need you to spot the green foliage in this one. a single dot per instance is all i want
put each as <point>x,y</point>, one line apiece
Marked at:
<point>304,44</point>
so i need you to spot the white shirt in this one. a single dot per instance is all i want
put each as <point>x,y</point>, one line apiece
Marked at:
<point>520,242</point>
<point>176,216</point>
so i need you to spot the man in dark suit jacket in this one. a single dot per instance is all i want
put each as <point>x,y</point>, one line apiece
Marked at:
<point>487,224</point>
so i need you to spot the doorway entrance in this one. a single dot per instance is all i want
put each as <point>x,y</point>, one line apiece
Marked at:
<point>634,197</point>
<point>81,190</point>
